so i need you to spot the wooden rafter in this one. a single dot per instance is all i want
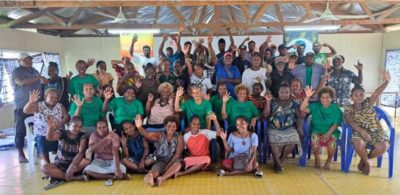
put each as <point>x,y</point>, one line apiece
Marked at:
<point>210,25</point>
<point>75,16</point>
<point>308,14</point>
<point>177,14</point>
<point>217,19</point>
<point>27,17</point>
<point>156,14</point>
<point>259,12</point>
<point>367,11</point>
<point>56,18</point>
<point>279,13</point>
<point>388,12</point>
<point>245,13</point>
<point>232,16</point>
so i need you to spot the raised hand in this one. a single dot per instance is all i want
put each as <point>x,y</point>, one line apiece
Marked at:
<point>359,65</point>
<point>268,96</point>
<point>212,116</point>
<point>43,80</point>
<point>164,37</point>
<point>51,122</point>
<point>138,121</point>
<point>179,92</point>
<point>174,37</point>
<point>206,96</point>
<point>309,92</point>
<point>78,102</point>
<point>209,39</point>
<point>386,76</point>
<point>34,96</point>
<point>150,97</point>
<point>269,39</point>
<point>134,38</point>
<point>247,39</point>
<point>327,64</point>
<point>186,49</point>
<point>90,62</point>
<point>222,134</point>
<point>124,139</point>
<point>69,75</point>
<point>108,93</point>
<point>327,74</point>
<point>226,97</point>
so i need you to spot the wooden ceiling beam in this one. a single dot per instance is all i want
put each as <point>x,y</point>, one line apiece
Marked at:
<point>279,13</point>
<point>177,14</point>
<point>367,11</point>
<point>388,12</point>
<point>260,12</point>
<point>210,25</point>
<point>308,14</point>
<point>74,17</point>
<point>56,18</point>
<point>156,14</point>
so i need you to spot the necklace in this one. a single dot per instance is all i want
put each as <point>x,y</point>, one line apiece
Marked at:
<point>243,139</point>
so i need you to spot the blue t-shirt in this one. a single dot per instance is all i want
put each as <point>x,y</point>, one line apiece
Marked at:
<point>21,93</point>
<point>240,145</point>
<point>223,74</point>
<point>176,56</point>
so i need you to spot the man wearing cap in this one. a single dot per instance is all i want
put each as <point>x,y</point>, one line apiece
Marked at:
<point>341,79</point>
<point>24,80</point>
<point>228,74</point>
<point>320,57</point>
<point>279,76</point>
<point>310,73</point>
<point>141,61</point>
<point>241,61</point>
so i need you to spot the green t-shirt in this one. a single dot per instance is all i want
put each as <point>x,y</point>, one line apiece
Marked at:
<point>201,110</point>
<point>124,110</point>
<point>216,103</point>
<point>324,118</point>
<point>308,75</point>
<point>76,84</point>
<point>320,58</point>
<point>90,112</point>
<point>235,109</point>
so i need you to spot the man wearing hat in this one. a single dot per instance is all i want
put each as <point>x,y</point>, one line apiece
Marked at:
<point>24,79</point>
<point>341,79</point>
<point>310,73</point>
<point>279,76</point>
<point>241,61</point>
<point>228,74</point>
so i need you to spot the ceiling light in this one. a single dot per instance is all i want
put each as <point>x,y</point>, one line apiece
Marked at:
<point>133,31</point>
<point>392,28</point>
<point>313,28</point>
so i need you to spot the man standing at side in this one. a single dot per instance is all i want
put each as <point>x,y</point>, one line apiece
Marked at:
<point>24,80</point>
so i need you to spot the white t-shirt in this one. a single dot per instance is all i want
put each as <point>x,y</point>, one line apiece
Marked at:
<point>141,61</point>
<point>250,75</point>
<point>204,83</point>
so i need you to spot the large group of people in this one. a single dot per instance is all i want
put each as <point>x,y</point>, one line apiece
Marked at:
<point>171,113</point>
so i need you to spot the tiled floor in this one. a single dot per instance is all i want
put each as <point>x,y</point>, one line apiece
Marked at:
<point>16,179</point>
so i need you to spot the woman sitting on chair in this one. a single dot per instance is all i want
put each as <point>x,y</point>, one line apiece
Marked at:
<point>157,110</point>
<point>282,132</point>
<point>366,128</point>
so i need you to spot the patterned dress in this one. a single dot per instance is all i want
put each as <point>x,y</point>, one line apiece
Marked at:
<point>366,119</point>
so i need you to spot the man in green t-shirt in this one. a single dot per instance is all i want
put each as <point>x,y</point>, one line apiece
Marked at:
<point>194,107</point>
<point>89,108</point>
<point>320,58</point>
<point>76,83</point>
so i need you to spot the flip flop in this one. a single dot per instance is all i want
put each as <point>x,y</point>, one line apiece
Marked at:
<point>108,182</point>
<point>53,184</point>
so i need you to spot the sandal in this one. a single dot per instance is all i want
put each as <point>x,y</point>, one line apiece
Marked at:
<point>108,182</point>
<point>259,174</point>
<point>53,183</point>
<point>220,172</point>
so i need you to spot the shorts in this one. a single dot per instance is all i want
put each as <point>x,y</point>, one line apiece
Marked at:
<point>104,166</point>
<point>317,139</point>
<point>45,146</point>
<point>63,166</point>
<point>196,160</point>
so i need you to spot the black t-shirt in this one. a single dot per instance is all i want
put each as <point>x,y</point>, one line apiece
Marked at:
<point>242,65</point>
<point>277,80</point>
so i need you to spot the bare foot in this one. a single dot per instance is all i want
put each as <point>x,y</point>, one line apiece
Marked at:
<point>149,180</point>
<point>317,164</point>
<point>159,181</point>
<point>177,174</point>
<point>367,168</point>
<point>361,166</point>
<point>22,159</point>
<point>327,166</point>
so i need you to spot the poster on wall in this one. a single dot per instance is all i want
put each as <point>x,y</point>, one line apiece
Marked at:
<point>143,39</point>
<point>304,38</point>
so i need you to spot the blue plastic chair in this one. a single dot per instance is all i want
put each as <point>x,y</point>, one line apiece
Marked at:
<point>306,145</point>
<point>381,115</point>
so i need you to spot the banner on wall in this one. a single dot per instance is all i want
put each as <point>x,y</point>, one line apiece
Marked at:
<point>305,38</point>
<point>143,39</point>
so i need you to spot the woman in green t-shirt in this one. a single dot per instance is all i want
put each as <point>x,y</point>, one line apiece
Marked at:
<point>326,118</point>
<point>239,107</point>
<point>125,108</point>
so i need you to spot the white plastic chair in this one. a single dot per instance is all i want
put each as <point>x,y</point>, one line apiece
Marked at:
<point>30,138</point>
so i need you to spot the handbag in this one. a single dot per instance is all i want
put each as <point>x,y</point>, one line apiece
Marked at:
<point>240,161</point>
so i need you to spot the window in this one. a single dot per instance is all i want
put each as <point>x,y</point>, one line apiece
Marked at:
<point>9,61</point>
<point>391,96</point>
